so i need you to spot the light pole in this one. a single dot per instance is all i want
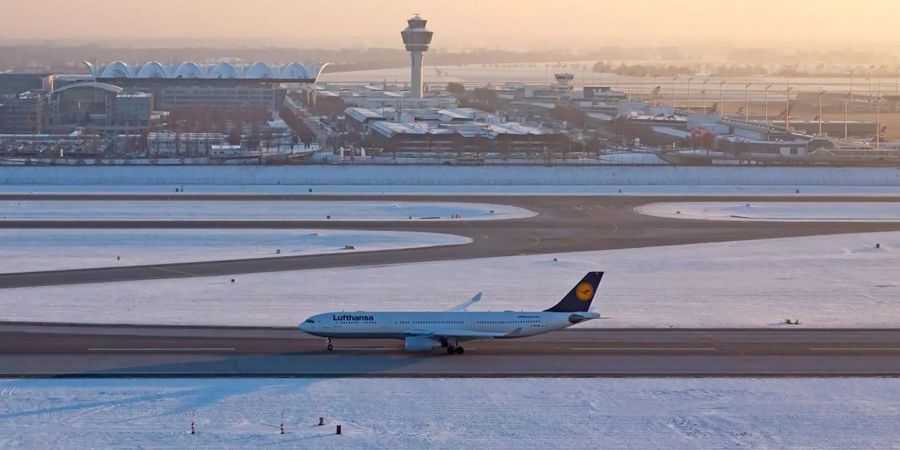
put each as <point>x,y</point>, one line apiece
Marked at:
<point>787,109</point>
<point>878,123</point>
<point>703,94</point>
<point>721,99</point>
<point>821,93</point>
<point>766,101</point>
<point>869,76</point>
<point>747,102</point>
<point>846,114</point>
<point>787,102</point>
<point>673,93</point>
<point>689,94</point>
<point>642,88</point>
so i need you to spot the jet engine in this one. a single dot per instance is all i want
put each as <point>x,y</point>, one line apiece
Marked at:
<point>420,344</point>
<point>581,317</point>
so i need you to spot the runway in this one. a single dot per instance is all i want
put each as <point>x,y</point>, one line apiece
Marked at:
<point>59,350</point>
<point>563,224</point>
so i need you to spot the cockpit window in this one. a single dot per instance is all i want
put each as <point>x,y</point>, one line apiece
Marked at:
<point>309,321</point>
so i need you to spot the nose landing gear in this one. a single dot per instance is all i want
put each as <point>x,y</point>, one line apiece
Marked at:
<point>330,347</point>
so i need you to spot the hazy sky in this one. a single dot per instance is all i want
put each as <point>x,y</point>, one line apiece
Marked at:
<point>459,23</point>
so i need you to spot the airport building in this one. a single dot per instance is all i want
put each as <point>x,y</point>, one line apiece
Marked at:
<point>25,113</point>
<point>12,84</point>
<point>378,97</point>
<point>223,85</point>
<point>101,106</point>
<point>451,131</point>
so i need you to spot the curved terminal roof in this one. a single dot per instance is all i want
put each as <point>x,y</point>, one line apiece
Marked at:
<point>117,69</point>
<point>190,70</point>
<point>224,70</point>
<point>90,85</point>
<point>153,70</point>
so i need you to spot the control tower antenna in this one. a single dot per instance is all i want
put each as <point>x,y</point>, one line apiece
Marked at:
<point>417,39</point>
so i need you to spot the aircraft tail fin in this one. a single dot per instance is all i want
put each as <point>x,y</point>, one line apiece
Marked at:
<point>580,297</point>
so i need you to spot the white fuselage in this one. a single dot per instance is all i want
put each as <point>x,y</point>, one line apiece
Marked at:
<point>399,325</point>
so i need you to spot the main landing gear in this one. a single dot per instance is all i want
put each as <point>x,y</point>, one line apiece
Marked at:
<point>330,347</point>
<point>451,350</point>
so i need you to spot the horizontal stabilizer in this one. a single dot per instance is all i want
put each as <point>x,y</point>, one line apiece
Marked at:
<point>465,305</point>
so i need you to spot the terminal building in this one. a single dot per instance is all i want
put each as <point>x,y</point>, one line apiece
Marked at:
<point>12,84</point>
<point>223,85</point>
<point>101,106</point>
<point>23,102</point>
<point>25,113</point>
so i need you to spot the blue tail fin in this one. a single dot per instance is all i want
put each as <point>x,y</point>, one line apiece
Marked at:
<point>580,297</point>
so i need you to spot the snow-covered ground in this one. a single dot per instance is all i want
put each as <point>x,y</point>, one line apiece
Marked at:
<point>778,211</point>
<point>452,413</point>
<point>632,158</point>
<point>311,176</point>
<point>412,190</point>
<point>253,210</point>
<point>52,249</point>
<point>824,281</point>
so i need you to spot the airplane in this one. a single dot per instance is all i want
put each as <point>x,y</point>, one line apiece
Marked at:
<point>428,330</point>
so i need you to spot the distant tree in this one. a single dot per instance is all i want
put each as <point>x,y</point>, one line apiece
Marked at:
<point>268,135</point>
<point>234,136</point>
<point>485,99</point>
<point>255,137</point>
<point>457,89</point>
<point>570,114</point>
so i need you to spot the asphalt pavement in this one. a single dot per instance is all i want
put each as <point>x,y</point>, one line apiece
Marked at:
<point>58,350</point>
<point>563,224</point>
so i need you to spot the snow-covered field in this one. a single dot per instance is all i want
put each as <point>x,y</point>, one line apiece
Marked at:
<point>778,211</point>
<point>253,210</point>
<point>453,413</point>
<point>311,176</point>
<point>51,249</point>
<point>537,72</point>
<point>824,281</point>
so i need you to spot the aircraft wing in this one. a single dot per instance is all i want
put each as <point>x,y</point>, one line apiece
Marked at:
<point>455,333</point>
<point>465,305</point>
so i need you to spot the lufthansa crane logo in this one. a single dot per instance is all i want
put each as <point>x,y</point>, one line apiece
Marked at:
<point>584,292</point>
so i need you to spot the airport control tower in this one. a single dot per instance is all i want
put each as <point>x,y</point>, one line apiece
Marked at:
<point>417,39</point>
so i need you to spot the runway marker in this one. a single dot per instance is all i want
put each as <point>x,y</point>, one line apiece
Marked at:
<point>855,349</point>
<point>222,349</point>
<point>631,349</point>
<point>376,349</point>
<point>179,272</point>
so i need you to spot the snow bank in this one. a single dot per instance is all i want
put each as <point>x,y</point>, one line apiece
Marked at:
<point>778,211</point>
<point>412,190</point>
<point>442,175</point>
<point>254,210</point>
<point>452,413</point>
<point>52,249</point>
<point>824,281</point>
